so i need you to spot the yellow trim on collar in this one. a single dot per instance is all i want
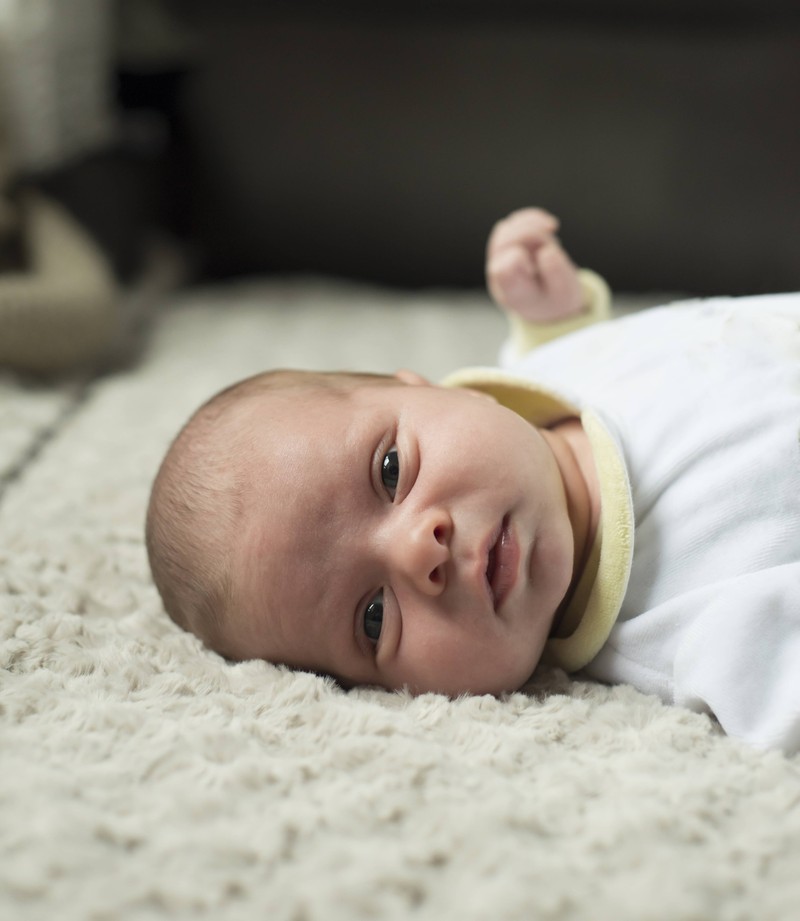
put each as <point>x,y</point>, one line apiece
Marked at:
<point>575,651</point>
<point>543,408</point>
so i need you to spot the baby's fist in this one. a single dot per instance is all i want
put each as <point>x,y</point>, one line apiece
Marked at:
<point>528,272</point>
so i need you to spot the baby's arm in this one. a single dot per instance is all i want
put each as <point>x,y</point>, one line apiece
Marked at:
<point>533,280</point>
<point>528,273</point>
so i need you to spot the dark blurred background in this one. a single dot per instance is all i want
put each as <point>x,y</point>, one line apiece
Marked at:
<point>381,140</point>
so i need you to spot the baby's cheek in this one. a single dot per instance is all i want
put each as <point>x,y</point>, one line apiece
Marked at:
<point>471,665</point>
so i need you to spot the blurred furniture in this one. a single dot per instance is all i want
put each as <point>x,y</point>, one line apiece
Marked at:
<point>58,296</point>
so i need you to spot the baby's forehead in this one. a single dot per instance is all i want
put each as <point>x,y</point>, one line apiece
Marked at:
<point>276,427</point>
<point>298,405</point>
<point>292,408</point>
<point>292,438</point>
<point>277,430</point>
<point>300,487</point>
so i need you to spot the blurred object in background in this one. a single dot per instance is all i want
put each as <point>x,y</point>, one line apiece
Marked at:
<point>58,296</point>
<point>382,140</point>
<point>59,305</point>
<point>123,190</point>
<point>56,57</point>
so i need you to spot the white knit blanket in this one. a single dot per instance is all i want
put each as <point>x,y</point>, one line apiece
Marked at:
<point>143,777</point>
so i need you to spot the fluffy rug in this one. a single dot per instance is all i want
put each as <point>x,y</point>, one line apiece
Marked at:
<point>144,777</point>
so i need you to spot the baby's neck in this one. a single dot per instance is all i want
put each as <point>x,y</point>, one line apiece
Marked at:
<point>573,453</point>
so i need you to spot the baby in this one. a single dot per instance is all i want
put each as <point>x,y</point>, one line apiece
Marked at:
<point>622,500</point>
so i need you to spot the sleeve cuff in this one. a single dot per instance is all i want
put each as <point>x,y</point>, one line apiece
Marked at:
<point>526,336</point>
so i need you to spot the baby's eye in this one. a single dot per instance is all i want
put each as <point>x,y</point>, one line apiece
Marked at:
<point>390,470</point>
<point>373,617</point>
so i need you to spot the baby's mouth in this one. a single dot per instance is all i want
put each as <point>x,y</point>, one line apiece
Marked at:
<point>502,564</point>
<point>490,566</point>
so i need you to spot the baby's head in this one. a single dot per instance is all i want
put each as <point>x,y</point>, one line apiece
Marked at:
<point>379,529</point>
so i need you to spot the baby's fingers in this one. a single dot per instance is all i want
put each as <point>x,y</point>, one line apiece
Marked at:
<point>511,279</point>
<point>530,227</point>
<point>560,283</point>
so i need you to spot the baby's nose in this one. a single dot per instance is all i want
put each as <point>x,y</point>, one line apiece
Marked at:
<point>421,551</point>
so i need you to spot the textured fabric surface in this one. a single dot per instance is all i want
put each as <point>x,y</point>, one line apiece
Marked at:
<point>28,415</point>
<point>144,777</point>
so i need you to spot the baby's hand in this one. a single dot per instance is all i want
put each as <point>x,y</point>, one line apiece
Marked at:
<point>527,271</point>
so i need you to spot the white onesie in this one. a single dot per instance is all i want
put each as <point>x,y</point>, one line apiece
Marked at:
<point>701,402</point>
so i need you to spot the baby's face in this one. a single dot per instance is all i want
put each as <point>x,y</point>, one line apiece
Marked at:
<point>399,535</point>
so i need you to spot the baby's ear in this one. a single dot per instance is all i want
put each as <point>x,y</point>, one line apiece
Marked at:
<point>411,377</point>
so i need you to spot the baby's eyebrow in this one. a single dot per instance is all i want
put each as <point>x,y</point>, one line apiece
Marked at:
<point>363,448</point>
